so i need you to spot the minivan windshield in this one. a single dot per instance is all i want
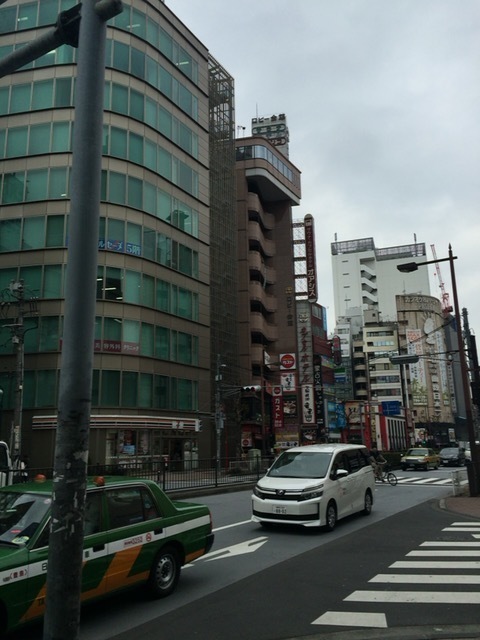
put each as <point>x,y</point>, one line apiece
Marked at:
<point>21,515</point>
<point>301,464</point>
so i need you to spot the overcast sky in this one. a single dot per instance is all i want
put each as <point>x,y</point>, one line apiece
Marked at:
<point>382,99</point>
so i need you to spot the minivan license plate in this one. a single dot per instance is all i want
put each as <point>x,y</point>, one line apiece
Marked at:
<point>281,511</point>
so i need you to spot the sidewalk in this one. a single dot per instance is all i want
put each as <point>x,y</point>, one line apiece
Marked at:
<point>464,505</point>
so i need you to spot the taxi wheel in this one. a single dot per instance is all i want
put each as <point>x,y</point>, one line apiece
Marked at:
<point>330,516</point>
<point>165,573</point>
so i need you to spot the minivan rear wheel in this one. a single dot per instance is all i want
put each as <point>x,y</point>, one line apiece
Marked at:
<point>331,516</point>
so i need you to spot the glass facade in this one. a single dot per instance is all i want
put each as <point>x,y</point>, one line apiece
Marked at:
<point>152,327</point>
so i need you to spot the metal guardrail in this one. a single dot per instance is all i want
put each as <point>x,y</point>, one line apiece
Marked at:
<point>173,475</point>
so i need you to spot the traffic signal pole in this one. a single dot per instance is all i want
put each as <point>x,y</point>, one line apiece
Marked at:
<point>62,618</point>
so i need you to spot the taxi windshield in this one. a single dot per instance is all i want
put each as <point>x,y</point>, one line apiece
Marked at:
<point>21,515</point>
<point>296,464</point>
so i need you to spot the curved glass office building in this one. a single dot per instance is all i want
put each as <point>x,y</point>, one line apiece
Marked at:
<point>152,343</point>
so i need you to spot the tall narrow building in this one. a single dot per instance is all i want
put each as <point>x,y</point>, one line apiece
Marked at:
<point>267,187</point>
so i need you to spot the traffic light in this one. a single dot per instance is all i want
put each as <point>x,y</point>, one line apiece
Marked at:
<point>254,388</point>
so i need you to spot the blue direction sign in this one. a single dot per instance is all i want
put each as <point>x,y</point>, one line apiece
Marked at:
<point>391,408</point>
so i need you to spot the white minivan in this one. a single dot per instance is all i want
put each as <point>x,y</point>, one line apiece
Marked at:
<point>314,486</point>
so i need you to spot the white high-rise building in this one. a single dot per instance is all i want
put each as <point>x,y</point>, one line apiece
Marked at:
<point>366,277</point>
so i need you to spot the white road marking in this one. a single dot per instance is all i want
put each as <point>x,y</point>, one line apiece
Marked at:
<point>471,529</point>
<point>235,524</point>
<point>351,619</point>
<point>404,480</point>
<point>440,564</point>
<point>419,597</point>
<point>462,543</point>
<point>453,553</point>
<point>464,524</point>
<point>415,578</point>
<point>249,546</point>
<point>426,480</point>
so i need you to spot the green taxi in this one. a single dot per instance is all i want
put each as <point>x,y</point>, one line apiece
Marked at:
<point>133,534</point>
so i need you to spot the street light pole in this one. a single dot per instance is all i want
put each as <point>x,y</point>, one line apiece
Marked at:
<point>474,479</point>
<point>474,475</point>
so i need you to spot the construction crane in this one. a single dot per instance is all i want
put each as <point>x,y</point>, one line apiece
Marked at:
<point>446,306</point>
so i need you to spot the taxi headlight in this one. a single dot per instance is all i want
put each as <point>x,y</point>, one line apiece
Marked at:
<point>311,493</point>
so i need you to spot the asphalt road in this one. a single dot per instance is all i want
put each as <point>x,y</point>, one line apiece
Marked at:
<point>284,583</point>
<point>329,588</point>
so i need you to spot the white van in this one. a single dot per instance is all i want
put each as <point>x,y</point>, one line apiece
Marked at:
<point>314,486</point>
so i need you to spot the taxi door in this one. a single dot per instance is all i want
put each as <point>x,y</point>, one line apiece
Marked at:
<point>95,546</point>
<point>94,556</point>
<point>135,535</point>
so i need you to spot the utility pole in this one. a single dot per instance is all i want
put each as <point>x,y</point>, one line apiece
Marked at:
<point>219,415</point>
<point>18,339</point>
<point>18,307</point>
<point>65,559</point>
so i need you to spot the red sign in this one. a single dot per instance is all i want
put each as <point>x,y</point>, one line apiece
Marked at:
<point>277,412</point>
<point>287,361</point>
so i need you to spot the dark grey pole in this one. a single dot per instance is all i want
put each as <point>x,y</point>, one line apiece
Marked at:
<point>64,32</point>
<point>474,469</point>
<point>62,617</point>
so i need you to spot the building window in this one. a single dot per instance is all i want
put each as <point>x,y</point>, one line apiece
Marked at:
<point>129,388</point>
<point>110,388</point>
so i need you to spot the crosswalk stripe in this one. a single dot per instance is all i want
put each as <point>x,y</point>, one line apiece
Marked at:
<point>430,578</point>
<point>352,619</point>
<point>439,564</point>
<point>422,597</point>
<point>419,480</point>
<point>471,529</point>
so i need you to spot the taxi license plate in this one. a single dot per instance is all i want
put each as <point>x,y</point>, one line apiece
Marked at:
<point>281,511</point>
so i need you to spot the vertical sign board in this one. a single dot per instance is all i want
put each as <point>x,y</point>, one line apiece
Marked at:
<point>310,258</point>
<point>277,408</point>
<point>308,409</point>
<point>288,382</point>
<point>318,393</point>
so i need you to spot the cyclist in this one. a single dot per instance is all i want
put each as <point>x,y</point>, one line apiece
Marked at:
<point>377,461</point>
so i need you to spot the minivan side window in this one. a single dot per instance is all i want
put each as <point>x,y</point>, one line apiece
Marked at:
<point>357,459</point>
<point>340,463</point>
<point>353,460</point>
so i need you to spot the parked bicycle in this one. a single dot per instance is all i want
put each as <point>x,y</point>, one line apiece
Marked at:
<point>386,476</point>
